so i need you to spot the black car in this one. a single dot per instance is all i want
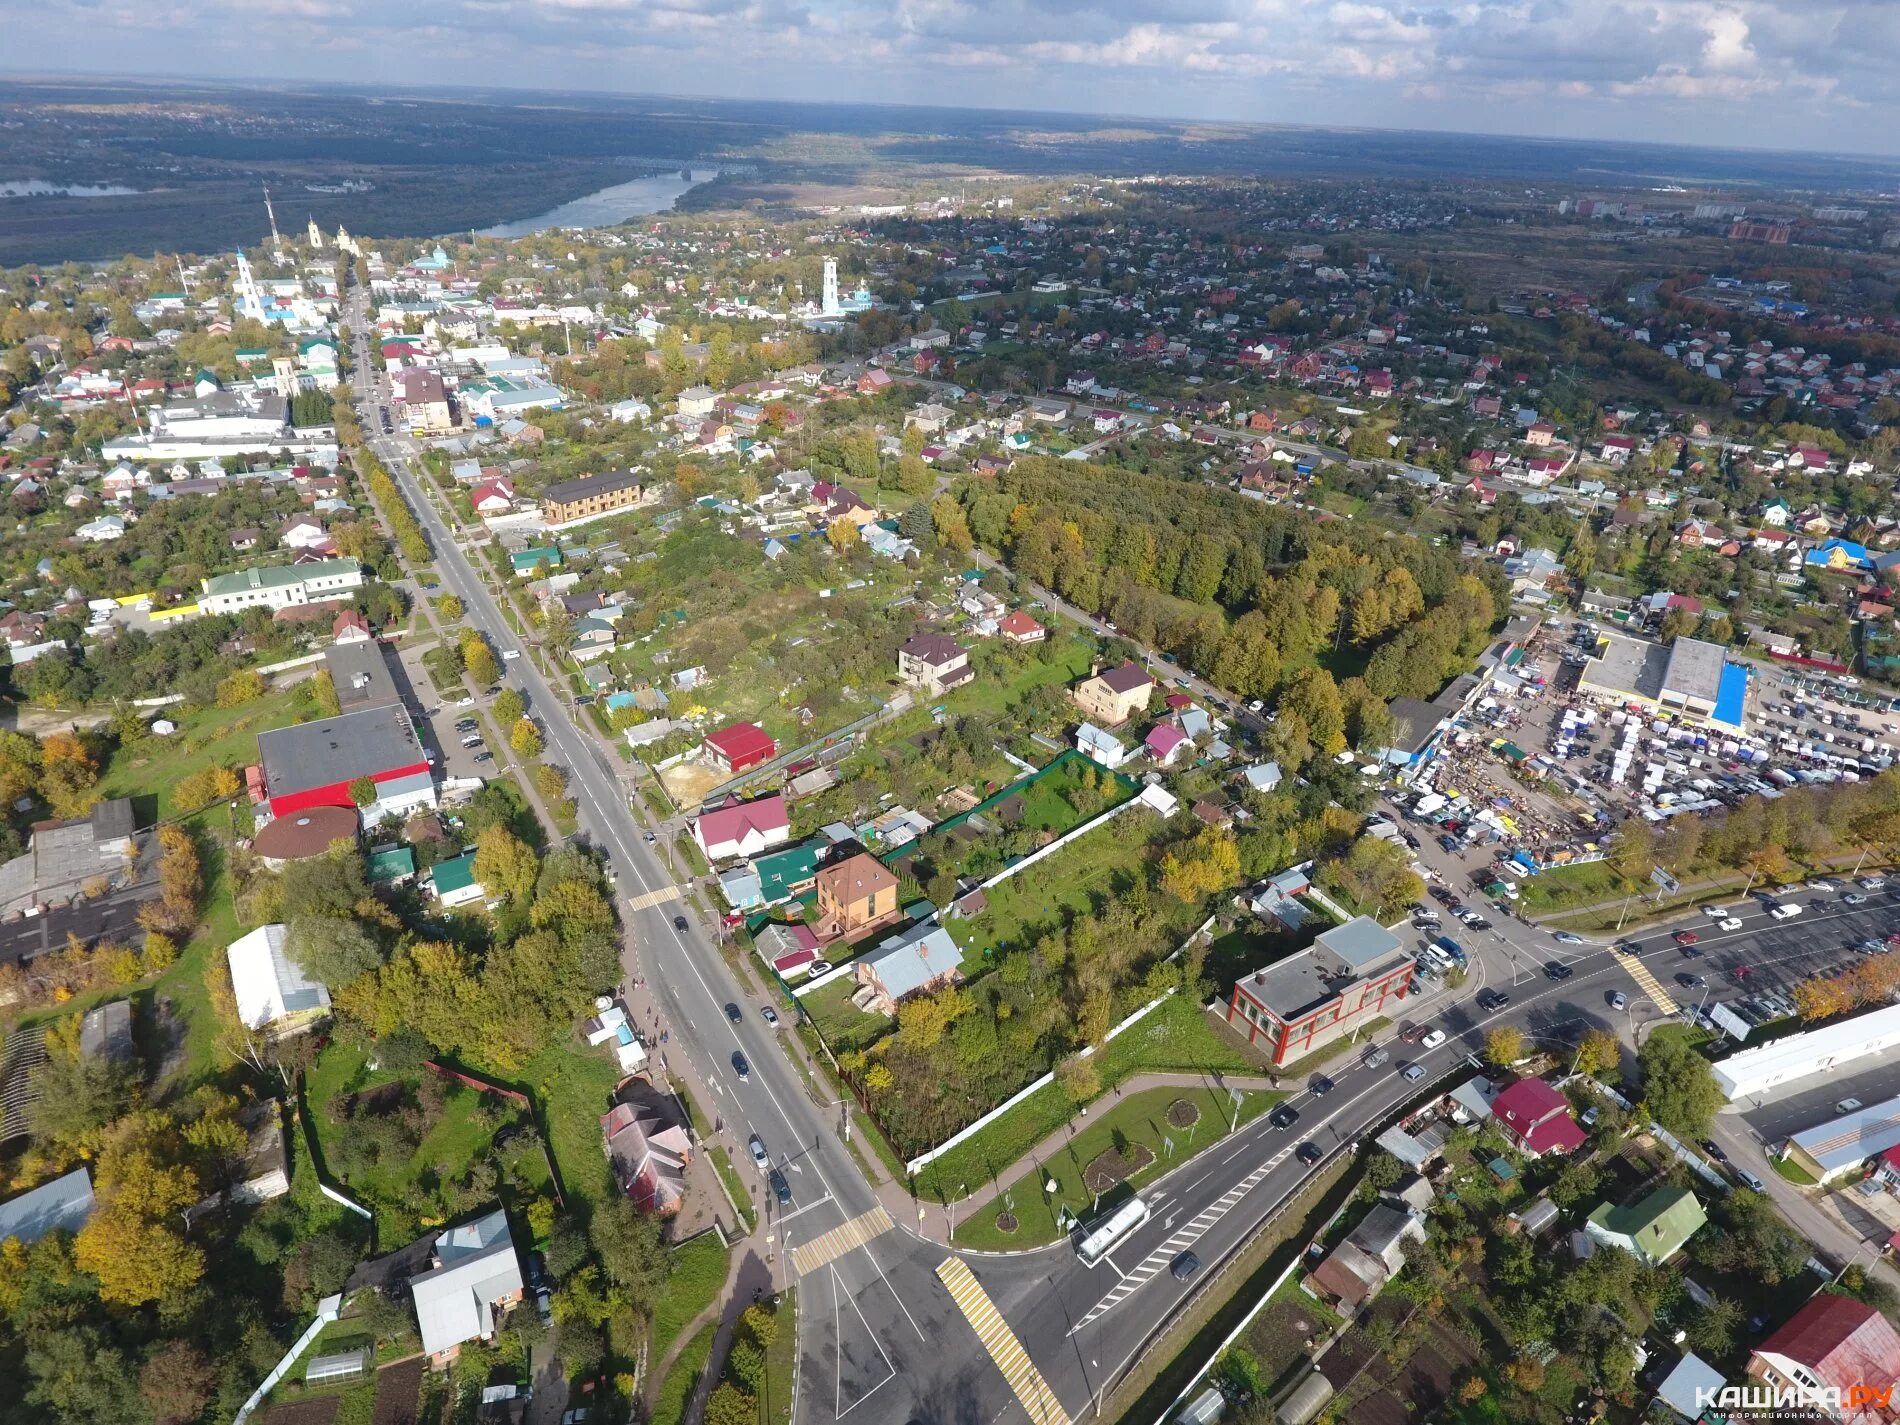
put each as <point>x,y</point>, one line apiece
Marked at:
<point>1557,970</point>
<point>1480,923</point>
<point>1714,1150</point>
<point>1448,843</point>
<point>1184,1266</point>
<point>733,1012</point>
<point>1285,1116</point>
<point>1691,982</point>
<point>740,1066</point>
<point>1441,895</point>
<point>781,1189</point>
<point>1320,1086</point>
<point>1308,1153</point>
<point>679,924</point>
<point>1491,1001</point>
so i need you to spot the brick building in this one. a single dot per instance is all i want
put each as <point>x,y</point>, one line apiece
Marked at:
<point>1353,974</point>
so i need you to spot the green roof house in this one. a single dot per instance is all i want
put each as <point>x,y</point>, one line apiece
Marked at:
<point>1652,1230</point>
<point>527,561</point>
<point>787,873</point>
<point>455,882</point>
<point>392,863</point>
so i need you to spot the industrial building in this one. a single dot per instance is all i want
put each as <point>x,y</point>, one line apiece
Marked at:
<point>314,763</point>
<point>1690,677</point>
<point>1817,1051</point>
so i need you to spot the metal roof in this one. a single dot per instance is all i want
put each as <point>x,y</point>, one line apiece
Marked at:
<point>63,1204</point>
<point>338,749</point>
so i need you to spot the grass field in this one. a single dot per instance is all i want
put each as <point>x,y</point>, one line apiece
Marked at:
<point>572,1088</point>
<point>1138,1127</point>
<point>1174,1038</point>
<point>669,1408</point>
<point>150,770</point>
<point>698,1276</point>
<point>843,1024</point>
<point>1586,884</point>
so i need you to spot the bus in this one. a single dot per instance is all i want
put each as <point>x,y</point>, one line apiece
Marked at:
<point>1110,1231</point>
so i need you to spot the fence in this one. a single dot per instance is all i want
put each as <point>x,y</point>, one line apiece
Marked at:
<point>354,1206</point>
<point>327,1310</point>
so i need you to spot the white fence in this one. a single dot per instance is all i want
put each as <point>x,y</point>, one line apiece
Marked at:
<point>327,1310</point>
<point>335,1196</point>
<point>915,1164</point>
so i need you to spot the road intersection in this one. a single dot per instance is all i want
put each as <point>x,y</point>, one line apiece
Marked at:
<point>896,1327</point>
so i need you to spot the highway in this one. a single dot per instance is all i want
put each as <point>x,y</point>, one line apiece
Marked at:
<point>896,1328</point>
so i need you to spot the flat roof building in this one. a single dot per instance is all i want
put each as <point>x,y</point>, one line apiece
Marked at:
<point>1840,1145</point>
<point>313,763</point>
<point>1815,1051</point>
<point>1690,676</point>
<point>1344,979</point>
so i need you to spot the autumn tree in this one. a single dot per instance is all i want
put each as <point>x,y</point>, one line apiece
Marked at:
<point>478,659</point>
<point>244,686</point>
<point>1196,869</point>
<point>525,738</point>
<point>504,864</point>
<point>1504,1045</point>
<point>842,535</point>
<point>323,694</point>
<point>133,1243</point>
<point>1077,1079</point>
<point>1598,1050</point>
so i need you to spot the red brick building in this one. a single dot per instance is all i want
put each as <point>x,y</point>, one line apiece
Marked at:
<point>1353,974</point>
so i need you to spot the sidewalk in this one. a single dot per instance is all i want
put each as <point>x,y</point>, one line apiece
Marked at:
<point>934,1222</point>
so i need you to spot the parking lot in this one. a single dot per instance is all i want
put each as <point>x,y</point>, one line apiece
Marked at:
<point>436,723</point>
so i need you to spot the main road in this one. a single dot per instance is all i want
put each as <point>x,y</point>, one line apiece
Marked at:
<point>894,1327</point>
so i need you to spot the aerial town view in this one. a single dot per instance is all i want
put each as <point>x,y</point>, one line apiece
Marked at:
<point>852,752</point>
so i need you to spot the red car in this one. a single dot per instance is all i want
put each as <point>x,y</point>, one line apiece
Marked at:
<point>1686,937</point>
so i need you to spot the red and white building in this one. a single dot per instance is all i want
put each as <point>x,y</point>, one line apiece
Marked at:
<point>1353,974</point>
<point>743,829</point>
<point>734,749</point>
<point>1537,1119</point>
<point>314,763</point>
<point>1838,1343</point>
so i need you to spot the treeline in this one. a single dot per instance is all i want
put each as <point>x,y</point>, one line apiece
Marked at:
<point>1249,595</point>
<point>396,511</point>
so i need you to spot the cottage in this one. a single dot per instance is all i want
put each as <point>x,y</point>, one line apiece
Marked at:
<point>922,959</point>
<point>1536,1118</point>
<point>1111,698</point>
<point>934,663</point>
<point>476,1277</point>
<point>854,896</point>
<point>736,829</point>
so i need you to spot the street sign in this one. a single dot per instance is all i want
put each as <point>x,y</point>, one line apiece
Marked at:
<point>1728,1021</point>
<point>1662,878</point>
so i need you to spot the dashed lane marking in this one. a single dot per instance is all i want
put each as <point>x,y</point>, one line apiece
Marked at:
<point>1191,1232</point>
<point>1650,985</point>
<point>993,1331</point>
<point>847,1237</point>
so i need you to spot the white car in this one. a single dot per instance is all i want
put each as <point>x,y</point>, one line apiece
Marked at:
<point>1432,1040</point>
<point>1565,937</point>
<point>1715,912</point>
<point>1730,924</point>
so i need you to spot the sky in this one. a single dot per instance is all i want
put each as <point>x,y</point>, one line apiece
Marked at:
<point>1787,74</point>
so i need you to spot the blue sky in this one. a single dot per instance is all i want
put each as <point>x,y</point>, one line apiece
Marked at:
<point>1800,74</point>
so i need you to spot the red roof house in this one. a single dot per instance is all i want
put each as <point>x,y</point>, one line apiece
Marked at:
<point>1835,1341</point>
<point>737,828</point>
<point>735,748</point>
<point>1536,1117</point>
<point>1019,627</point>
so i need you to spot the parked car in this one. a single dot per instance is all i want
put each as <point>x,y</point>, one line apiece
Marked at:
<point>769,1015</point>
<point>1714,1150</point>
<point>1691,982</point>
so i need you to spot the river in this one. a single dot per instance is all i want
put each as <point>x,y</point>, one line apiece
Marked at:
<point>610,205</point>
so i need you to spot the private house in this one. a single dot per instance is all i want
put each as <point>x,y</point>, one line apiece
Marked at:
<point>1652,1230</point>
<point>921,959</point>
<point>1832,1341</point>
<point>855,896</point>
<point>1102,748</point>
<point>271,991</point>
<point>63,1205</point>
<point>1165,742</point>
<point>493,497</point>
<point>648,1156</point>
<point>424,401</point>
<point>736,829</point>
<point>302,532</point>
<point>738,747</point>
<point>571,500</point>
<point>453,881</point>
<point>933,663</point>
<point>1111,698</point>
<point>1019,627</point>
<point>1350,975</point>
<point>475,1279</point>
<point>1371,1255</point>
<point>1536,1118</point>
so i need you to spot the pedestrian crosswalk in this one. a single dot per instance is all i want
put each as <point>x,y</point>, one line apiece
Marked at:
<point>1647,982</point>
<point>1001,1343</point>
<point>654,897</point>
<point>847,1237</point>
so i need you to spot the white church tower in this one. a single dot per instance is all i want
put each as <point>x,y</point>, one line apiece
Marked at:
<point>315,236</point>
<point>830,305</point>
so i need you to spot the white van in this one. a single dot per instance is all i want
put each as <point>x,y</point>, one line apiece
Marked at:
<point>1787,910</point>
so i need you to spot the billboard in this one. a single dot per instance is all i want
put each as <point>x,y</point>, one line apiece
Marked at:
<point>1728,1021</point>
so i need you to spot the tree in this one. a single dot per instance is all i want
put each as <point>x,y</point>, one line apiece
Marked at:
<point>1504,1045</point>
<point>177,1382</point>
<point>1077,1079</point>
<point>923,1020</point>
<point>78,1379</point>
<point>509,708</point>
<point>842,535</point>
<point>136,1255</point>
<point>328,885</point>
<point>632,1247</point>
<point>478,659</point>
<point>1598,1050</point>
<point>332,951</point>
<point>323,692</point>
<point>504,864</point>
<point>525,738</point>
<point>1679,1088</point>
<point>79,1094</point>
<point>1196,869</point>
<point>1711,1329</point>
<point>240,688</point>
<point>550,781</point>
<point>729,1405</point>
<point>953,529</point>
<point>363,791</point>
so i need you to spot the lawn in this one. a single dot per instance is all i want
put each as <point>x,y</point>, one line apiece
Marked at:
<point>669,1408</point>
<point>150,770</point>
<point>1138,1128</point>
<point>572,1088</point>
<point>844,1025</point>
<point>1586,884</point>
<point>698,1277</point>
<point>729,1175</point>
<point>781,1361</point>
<point>1175,1038</point>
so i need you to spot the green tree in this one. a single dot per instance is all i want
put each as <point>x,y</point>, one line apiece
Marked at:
<point>509,708</point>
<point>504,864</point>
<point>1679,1088</point>
<point>332,951</point>
<point>363,791</point>
<point>632,1248</point>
